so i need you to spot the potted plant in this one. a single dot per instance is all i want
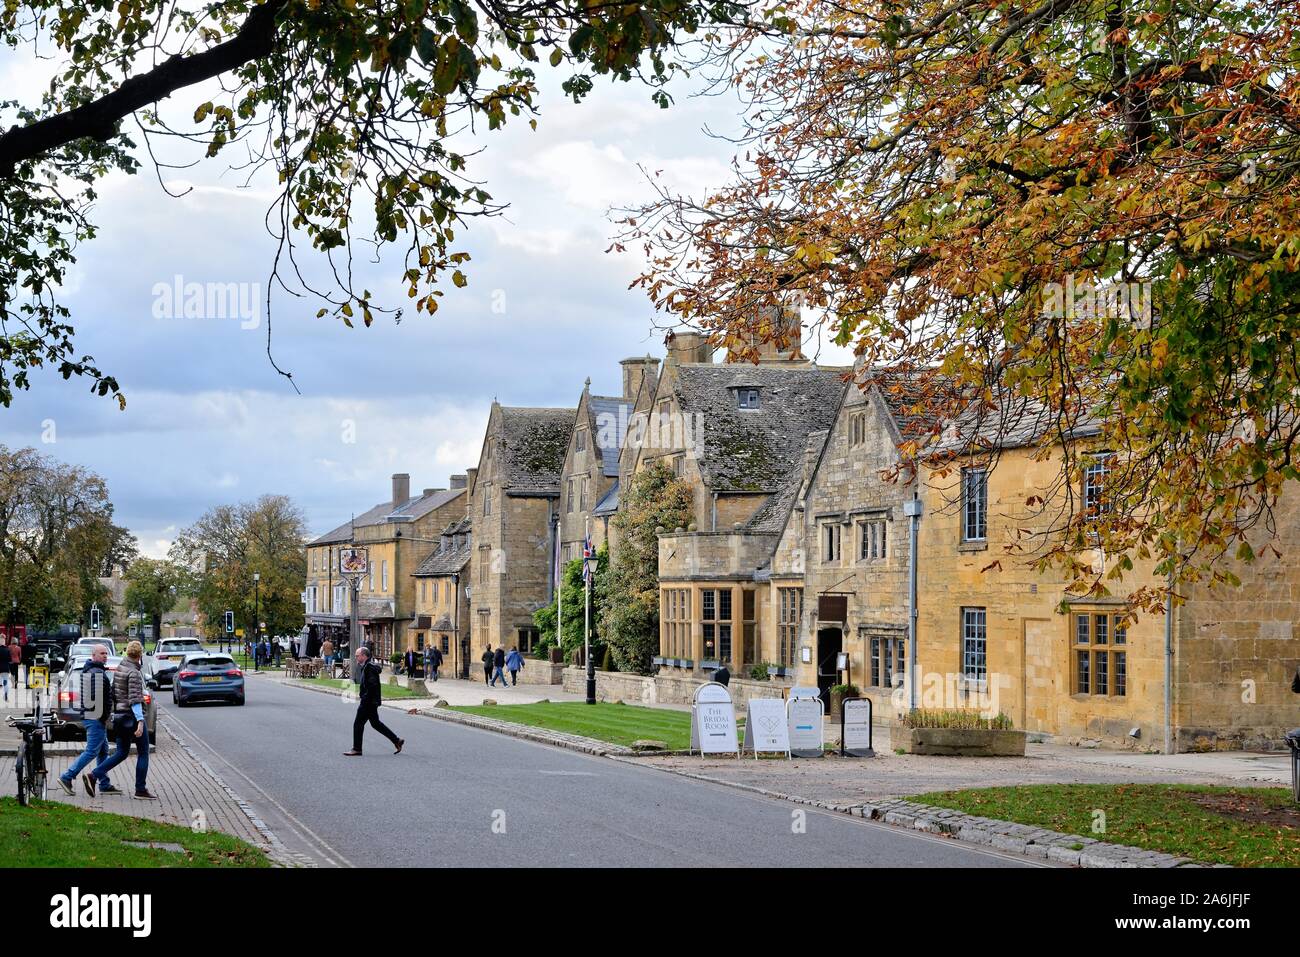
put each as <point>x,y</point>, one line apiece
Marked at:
<point>839,693</point>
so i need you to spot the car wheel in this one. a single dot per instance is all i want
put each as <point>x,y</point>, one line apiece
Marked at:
<point>239,701</point>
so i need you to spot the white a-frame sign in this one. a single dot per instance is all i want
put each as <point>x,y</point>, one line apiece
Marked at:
<point>713,720</point>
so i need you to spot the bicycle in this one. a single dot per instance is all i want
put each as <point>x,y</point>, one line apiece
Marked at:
<point>30,769</point>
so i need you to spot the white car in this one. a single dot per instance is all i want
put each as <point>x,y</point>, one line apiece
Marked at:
<point>160,667</point>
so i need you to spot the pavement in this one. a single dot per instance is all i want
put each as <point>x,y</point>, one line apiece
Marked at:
<point>463,796</point>
<point>189,794</point>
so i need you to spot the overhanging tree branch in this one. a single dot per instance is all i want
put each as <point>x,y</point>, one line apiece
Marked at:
<point>98,119</point>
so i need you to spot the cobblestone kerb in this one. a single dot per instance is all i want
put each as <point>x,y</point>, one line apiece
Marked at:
<point>1069,849</point>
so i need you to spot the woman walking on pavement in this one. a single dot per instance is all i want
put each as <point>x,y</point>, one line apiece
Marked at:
<point>128,726</point>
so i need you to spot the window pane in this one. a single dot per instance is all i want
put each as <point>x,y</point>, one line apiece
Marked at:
<point>1101,672</point>
<point>1081,632</point>
<point>1121,672</point>
<point>1083,675</point>
<point>708,604</point>
<point>974,664</point>
<point>875,662</point>
<point>1101,629</point>
<point>724,642</point>
<point>1121,633</point>
<point>724,604</point>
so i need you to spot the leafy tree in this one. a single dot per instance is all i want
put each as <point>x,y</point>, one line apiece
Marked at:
<point>361,108</point>
<point>151,589</point>
<point>654,498</point>
<point>228,545</point>
<point>57,537</point>
<point>572,591</point>
<point>943,180</point>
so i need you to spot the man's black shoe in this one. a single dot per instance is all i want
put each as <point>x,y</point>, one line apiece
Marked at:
<point>67,786</point>
<point>89,781</point>
<point>109,789</point>
<point>400,742</point>
<point>351,754</point>
<point>144,795</point>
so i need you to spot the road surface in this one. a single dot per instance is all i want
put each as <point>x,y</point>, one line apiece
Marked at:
<point>459,796</point>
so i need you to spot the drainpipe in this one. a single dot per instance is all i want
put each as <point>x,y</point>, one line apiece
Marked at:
<point>912,509</point>
<point>1169,663</point>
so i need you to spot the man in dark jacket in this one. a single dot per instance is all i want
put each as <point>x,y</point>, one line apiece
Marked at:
<point>368,709</point>
<point>95,701</point>
<point>499,663</point>
<point>488,660</point>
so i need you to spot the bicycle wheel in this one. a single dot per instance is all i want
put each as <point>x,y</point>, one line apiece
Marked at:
<point>38,784</point>
<point>20,771</point>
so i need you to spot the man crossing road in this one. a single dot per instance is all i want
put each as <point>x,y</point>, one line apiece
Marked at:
<point>368,709</point>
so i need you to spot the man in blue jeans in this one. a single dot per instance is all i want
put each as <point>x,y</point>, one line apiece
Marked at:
<point>96,705</point>
<point>128,726</point>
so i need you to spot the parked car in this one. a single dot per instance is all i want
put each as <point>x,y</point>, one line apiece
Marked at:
<point>68,705</point>
<point>209,676</point>
<point>160,667</point>
<point>84,646</point>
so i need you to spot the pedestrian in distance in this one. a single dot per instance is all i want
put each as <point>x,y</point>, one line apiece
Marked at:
<point>722,676</point>
<point>499,663</point>
<point>434,661</point>
<point>368,708</point>
<point>128,727</point>
<point>327,652</point>
<point>488,659</point>
<point>514,663</point>
<point>95,702</point>
<point>15,658</point>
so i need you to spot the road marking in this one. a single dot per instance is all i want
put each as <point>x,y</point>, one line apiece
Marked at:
<point>569,774</point>
<point>305,830</point>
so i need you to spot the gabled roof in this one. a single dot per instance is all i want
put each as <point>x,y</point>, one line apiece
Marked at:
<point>534,443</point>
<point>413,508</point>
<point>604,411</point>
<point>608,503</point>
<point>448,558</point>
<point>758,450</point>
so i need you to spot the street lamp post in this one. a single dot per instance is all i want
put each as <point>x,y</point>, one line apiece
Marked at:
<point>257,617</point>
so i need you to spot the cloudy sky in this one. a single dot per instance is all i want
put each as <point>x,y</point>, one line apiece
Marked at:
<point>208,421</point>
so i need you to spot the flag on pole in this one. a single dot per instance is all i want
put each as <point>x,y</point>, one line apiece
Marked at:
<point>588,553</point>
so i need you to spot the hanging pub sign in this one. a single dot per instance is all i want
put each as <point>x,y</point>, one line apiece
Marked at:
<point>354,561</point>
<point>832,607</point>
<point>713,720</point>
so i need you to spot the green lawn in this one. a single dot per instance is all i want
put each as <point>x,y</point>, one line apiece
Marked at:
<point>615,723</point>
<point>1244,827</point>
<point>390,691</point>
<point>51,834</point>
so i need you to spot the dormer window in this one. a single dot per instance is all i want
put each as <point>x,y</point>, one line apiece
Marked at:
<point>747,399</point>
<point>582,441</point>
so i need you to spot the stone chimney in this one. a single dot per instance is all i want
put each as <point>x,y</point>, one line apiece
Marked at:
<point>401,488</point>
<point>635,371</point>
<point>459,481</point>
<point>688,346</point>
<point>774,335</point>
<point>471,479</point>
<point>431,491</point>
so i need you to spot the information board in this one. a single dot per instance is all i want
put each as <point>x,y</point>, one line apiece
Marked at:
<point>713,720</point>
<point>765,727</point>
<point>855,728</point>
<point>804,721</point>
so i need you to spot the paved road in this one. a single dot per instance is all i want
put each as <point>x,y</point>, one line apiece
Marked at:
<point>447,798</point>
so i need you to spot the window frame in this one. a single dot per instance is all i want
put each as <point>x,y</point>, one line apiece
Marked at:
<point>975,527</point>
<point>1099,655</point>
<point>975,631</point>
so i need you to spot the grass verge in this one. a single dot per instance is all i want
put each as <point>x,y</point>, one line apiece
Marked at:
<point>615,723</point>
<point>1243,827</point>
<point>51,834</point>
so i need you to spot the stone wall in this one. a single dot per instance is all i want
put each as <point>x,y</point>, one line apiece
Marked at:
<point>663,689</point>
